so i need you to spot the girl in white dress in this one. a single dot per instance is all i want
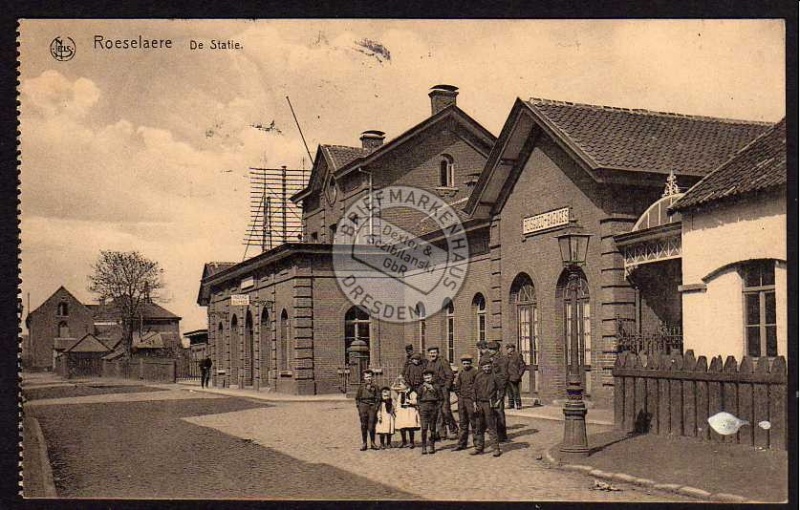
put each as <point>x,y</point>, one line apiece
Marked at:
<point>385,425</point>
<point>405,409</point>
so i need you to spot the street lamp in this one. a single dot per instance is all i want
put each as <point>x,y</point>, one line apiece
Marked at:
<point>573,248</point>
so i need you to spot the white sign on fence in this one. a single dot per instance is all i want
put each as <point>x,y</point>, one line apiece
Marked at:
<point>546,220</point>
<point>240,300</point>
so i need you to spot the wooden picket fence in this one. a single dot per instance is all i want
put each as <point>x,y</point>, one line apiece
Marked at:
<point>675,394</point>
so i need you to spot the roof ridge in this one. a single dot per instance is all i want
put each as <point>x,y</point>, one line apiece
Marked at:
<point>644,111</point>
<point>327,145</point>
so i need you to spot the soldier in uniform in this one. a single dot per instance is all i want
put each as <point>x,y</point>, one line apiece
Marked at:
<point>443,378</point>
<point>465,381</point>
<point>516,369</point>
<point>486,397</point>
<point>367,400</point>
<point>500,371</point>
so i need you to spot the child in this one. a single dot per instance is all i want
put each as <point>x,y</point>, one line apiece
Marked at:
<point>405,408</point>
<point>430,400</point>
<point>385,426</point>
<point>367,404</point>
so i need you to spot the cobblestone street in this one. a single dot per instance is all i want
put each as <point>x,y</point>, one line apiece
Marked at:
<point>183,443</point>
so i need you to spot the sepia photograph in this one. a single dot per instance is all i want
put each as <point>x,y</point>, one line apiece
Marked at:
<point>449,260</point>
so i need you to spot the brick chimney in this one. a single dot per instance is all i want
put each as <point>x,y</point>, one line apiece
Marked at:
<point>372,139</point>
<point>442,96</point>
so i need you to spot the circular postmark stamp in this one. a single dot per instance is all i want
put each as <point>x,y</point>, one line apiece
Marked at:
<point>62,48</point>
<point>384,264</point>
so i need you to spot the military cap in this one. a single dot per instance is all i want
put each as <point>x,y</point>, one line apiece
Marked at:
<point>409,347</point>
<point>481,344</point>
<point>485,361</point>
<point>509,344</point>
<point>427,371</point>
<point>433,348</point>
<point>493,345</point>
<point>416,355</point>
<point>466,357</point>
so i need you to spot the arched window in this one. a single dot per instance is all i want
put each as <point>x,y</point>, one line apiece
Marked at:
<point>63,309</point>
<point>265,349</point>
<point>63,330</point>
<point>582,307</point>
<point>446,171</point>
<point>423,326</point>
<point>249,351</point>
<point>357,325</point>
<point>450,329</point>
<point>285,341</point>
<point>479,309</point>
<point>761,330</point>
<point>220,345</point>
<point>523,301</point>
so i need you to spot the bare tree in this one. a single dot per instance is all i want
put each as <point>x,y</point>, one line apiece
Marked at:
<point>128,279</point>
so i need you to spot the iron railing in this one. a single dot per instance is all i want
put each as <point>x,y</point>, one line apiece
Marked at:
<point>667,339</point>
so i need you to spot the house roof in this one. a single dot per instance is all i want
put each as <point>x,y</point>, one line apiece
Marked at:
<point>604,140</point>
<point>341,155</point>
<point>155,340</point>
<point>759,166</point>
<point>147,310</point>
<point>89,343</point>
<point>644,140</point>
<point>215,267</point>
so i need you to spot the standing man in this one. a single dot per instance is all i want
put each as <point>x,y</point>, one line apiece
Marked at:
<point>429,401</point>
<point>500,371</point>
<point>409,353</point>
<point>367,400</point>
<point>464,387</point>
<point>412,372</point>
<point>205,371</point>
<point>516,369</point>
<point>443,378</point>
<point>486,397</point>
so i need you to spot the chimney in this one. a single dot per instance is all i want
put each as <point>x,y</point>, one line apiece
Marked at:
<point>372,139</point>
<point>442,96</point>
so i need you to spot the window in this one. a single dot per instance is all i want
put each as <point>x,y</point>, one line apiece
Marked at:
<point>479,307</point>
<point>446,172</point>
<point>423,326</point>
<point>582,307</point>
<point>63,330</point>
<point>761,333</point>
<point>523,298</point>
<point>285,341</point>
<point>356,327</point>
<point>450,329</point>
<point>314,237</point>
<point>220,345</point>
<point>63,309</point>
<point>333,232</point>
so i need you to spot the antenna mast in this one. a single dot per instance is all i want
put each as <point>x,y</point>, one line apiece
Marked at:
<point>310,159</point>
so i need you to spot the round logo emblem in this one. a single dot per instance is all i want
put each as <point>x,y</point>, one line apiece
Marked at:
<point>390,272</point>
<point>62,48</point>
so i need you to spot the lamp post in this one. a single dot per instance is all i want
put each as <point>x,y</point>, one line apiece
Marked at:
<point>573,248</point>
<point>359,359</point>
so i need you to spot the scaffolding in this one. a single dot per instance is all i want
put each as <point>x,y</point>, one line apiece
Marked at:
<point>274,219</point>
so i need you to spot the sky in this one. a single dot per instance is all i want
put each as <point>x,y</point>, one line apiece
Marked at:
<point>149,149</point>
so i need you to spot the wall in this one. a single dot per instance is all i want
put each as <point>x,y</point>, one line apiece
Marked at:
<point>43,326</point>
<point>714,241</point>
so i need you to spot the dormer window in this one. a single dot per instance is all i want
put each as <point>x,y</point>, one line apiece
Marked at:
<point>447,176</point>
<point>63,310</point>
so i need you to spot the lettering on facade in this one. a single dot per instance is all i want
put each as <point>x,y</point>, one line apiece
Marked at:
<point>545,221</point>
<point>240,300</point>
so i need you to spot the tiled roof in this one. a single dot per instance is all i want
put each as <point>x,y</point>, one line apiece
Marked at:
<point>643,140</point>
<point>89,343</point>
<point>109,312</point>
<point>216,267</point>
<point>760,165</point>
<point>341,155</point>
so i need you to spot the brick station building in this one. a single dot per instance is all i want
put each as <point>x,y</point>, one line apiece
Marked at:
<point>554,166</point>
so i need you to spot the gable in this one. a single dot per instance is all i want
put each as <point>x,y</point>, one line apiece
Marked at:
<point>89,343</point>
<point>74,306</point>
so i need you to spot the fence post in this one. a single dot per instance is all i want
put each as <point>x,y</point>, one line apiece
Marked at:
<point>777,404</point>
<point>689,388</point>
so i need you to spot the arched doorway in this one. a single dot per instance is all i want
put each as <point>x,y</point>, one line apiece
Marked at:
<point>526,322</point>
<point>233,352</point>
<point>285,342</point>
<point>581,306</point>
<point>249,351</point>
<point>265,349</point>
<point>356,327</point>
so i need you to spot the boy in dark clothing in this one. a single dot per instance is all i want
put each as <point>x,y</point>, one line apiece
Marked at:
<point>485,395</point>
<point>412,372</point>
<point>443,379</point>
<point>429,400</point>
<point>465,380</point>
<point>367,400</point>
<point>516,369</point>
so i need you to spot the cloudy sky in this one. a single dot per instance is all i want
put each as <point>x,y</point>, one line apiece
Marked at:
<point>149,149</point>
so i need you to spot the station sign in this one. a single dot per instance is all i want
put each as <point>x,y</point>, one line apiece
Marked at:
<point>545,221</point>
<point>240,300</point>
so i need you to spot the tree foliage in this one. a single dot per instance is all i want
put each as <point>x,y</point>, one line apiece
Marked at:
<point>128,279</point>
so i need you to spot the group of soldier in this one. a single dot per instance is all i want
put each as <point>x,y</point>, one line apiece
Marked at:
<point>481,395</point>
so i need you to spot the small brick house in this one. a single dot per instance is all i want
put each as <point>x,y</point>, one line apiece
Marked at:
<point>553,166</point>
<point>62,320</point>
